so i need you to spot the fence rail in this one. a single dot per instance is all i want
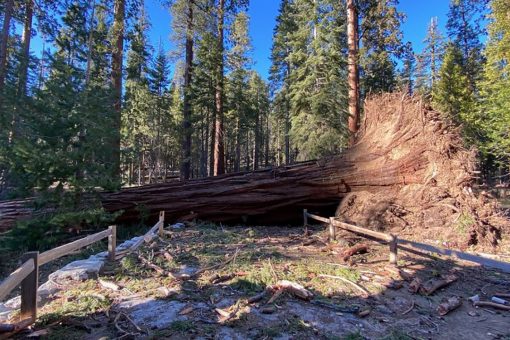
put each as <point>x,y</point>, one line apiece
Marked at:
<point>27,274</point>
<point>396,243</point>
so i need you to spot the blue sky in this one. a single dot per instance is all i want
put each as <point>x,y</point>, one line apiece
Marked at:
<point>263,14</point>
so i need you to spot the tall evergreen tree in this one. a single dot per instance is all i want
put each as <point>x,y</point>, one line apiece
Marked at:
<point>494,117</point>
<point>429,60</point>
<point>465,30</point>
<point>381,40</point>
<point>280,70</point>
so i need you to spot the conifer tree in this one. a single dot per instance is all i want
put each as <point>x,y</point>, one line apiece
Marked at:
<point>493,115</point>
<point>430,58</point>
<point>381,40</point>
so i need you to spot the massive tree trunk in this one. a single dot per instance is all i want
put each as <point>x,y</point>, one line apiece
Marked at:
<point>219,147</point>
<point>4,40</point>
<point>118,37</point>
<point>352,61</point>
<point>407,170</point>
<point>186,121</point>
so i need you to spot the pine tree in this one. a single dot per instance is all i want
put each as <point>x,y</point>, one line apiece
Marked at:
<point>317,89</point>
<point>465,30</point>
<point>381,40</point>
<point>280,73</point>
<point>493,116</point>
<point>429,59</point>
<point>451,94</point>
<point>238,61</point>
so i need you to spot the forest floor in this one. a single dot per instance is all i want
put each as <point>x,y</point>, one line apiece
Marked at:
<point>225,266</point>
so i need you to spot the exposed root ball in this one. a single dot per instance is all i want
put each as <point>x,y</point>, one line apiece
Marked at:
<point>444,205</point>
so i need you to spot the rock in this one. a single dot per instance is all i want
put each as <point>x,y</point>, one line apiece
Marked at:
<point>178,226</point>
<point>79,270</point>
<point>156,314</point>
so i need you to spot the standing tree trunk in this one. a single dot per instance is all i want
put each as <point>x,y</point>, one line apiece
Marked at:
<point>5,39</point>
<point>186,122</point>
<point>118,36</point>
<point>27,30</point>
<point>256,141</point>
<point>219,148</point>
<point>353,77</point>
<point>89,43</point>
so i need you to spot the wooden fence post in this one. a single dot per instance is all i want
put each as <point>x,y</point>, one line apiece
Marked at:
<point>161,222</point>
<point>393,243</point>
<point>112,242</point>
<point>29,289</point>
<point>332,230</point>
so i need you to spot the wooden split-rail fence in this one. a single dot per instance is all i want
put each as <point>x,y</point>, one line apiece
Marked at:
<point>395,243</point>
<point>27,275</point>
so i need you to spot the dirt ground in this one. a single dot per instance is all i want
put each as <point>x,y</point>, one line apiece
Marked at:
<point>172,300</point>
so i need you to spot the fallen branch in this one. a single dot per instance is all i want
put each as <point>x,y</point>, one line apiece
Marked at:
<point>447,305</point>
<point>502,295</point>
<point>151,265</point>
<point>407,311</point>
<point>214,267</point>
<point>491,304</point>
<point>365,292</point>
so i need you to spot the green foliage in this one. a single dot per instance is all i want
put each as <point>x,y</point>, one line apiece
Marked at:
<point>45,232</point>
<point>310,87</point>
<point>495,86</point>
<point>451,94</point>
<point>381,44</point>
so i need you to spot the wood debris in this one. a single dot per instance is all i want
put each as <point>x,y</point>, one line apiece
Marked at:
<point>432,285</point>
<point>109,285</point>
<point>449,304</point>
<point>292,288</point>
<point>491,304</point>
<point>354,250</point>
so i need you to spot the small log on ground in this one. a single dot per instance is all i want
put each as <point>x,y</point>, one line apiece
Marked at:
<point>447,305</point>
<point>432,285</point>
<point>354,250</point>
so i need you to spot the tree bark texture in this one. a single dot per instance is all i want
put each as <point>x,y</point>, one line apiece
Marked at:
<point>353,71</point>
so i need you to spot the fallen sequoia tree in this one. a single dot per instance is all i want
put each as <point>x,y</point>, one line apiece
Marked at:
<point>407,170</point>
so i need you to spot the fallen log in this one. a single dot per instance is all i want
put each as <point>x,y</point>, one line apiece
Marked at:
<point>407,167</point>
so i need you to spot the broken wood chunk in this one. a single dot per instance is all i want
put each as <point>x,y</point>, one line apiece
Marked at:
<point>268,310</point>
<point>259,296</point>
<point>415,285</point>
<point>168,257</point>
<point>432,285</point>
<point>293,288</point>
<point>354,250</point>
<point>447,305</point>
<point>221,278</point>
